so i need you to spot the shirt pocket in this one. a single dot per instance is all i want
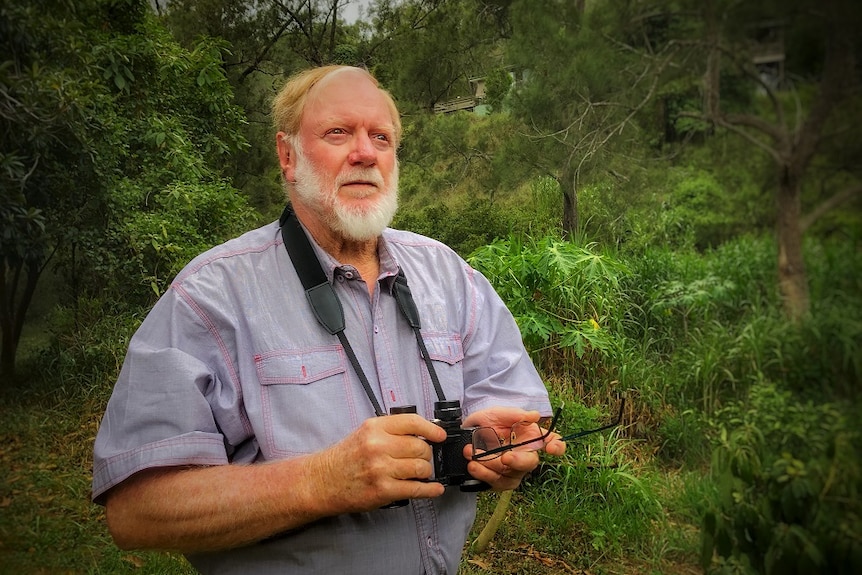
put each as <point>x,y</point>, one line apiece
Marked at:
<point>447,357</point>
<point>305,400</point>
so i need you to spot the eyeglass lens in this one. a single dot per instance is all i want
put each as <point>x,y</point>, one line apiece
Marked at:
<point>524,436</point>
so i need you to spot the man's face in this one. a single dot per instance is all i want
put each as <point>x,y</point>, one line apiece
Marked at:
<point>344,164</point>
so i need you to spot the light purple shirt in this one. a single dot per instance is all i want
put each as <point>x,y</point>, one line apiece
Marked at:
<point>231,366</point>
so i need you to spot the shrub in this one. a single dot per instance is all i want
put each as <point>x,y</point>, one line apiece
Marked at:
<point>89,343</point>
<point>463,228</point>
<point>565,298</point>
<point>789,482</point>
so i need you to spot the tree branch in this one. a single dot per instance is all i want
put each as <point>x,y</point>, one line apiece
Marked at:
<point>737,129</point>
<point>262,54</point>
<point>831,203</point>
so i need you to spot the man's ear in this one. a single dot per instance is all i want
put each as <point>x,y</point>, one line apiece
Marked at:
<point>286,156</point>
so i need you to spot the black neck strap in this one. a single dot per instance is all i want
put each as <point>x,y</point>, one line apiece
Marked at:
<point>327,307</point>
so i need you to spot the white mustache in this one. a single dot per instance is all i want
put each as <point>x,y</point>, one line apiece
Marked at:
<point>369,175</point>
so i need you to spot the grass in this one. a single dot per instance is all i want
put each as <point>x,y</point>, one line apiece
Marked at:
<point>47,522</point>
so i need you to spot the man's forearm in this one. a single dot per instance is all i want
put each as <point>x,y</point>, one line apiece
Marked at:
<point>209,508</point>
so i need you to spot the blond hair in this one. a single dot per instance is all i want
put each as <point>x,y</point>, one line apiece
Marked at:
<point>289,104</point>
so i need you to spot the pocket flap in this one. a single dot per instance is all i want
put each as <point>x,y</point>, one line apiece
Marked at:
<point>444,347</point>
<point>298,367</point>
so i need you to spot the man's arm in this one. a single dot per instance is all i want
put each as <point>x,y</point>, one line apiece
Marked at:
<point>209,508</point>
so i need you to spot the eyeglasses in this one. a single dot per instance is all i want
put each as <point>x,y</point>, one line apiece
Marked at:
<point>528,436</point>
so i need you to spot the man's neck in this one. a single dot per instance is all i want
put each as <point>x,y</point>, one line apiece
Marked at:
<point>360,254</point>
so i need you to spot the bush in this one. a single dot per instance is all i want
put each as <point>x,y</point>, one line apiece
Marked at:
<point>152,245</point>
<point>789,483</point>
<point>566,299</point>
<point>464,228</point>
<point>89,343</point>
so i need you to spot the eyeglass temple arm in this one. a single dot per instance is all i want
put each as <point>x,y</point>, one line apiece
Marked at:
<point>602,428</point>
<point>551,428</point>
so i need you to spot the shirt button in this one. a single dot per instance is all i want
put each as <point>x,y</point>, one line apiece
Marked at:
<point>348,275</point>
<point>430,542</point>
<point>376,329</point>
<point>340,279</point>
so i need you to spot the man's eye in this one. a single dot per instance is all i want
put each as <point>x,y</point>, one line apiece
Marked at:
<point>337,131</point>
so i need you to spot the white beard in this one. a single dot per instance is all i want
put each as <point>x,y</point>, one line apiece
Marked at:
<point>354,223</point>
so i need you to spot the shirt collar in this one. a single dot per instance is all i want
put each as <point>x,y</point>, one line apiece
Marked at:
<point>388,265</point>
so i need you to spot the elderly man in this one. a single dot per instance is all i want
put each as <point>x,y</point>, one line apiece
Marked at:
<point>246,435</point>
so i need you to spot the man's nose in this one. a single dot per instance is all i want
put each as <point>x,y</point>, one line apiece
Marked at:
<point>363,152</point>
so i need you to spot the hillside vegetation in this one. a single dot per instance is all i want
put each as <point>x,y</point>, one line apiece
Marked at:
<point>668,222</point>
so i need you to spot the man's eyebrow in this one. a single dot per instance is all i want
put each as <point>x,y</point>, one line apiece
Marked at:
<point>337,121</point>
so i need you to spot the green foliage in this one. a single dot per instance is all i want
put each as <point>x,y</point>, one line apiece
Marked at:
<point>88,343</point>
<point>789,483</point>
<point>463,228</point>
<point>593,500</point>
<point>425,52</point>
<point>706,197</point>
<point>541,215</point>
<point>695,212</point>
<point>712,316</point>
<point>458,157</point>
<point>686,299</point>
<point>498,84</point>
<point>682,437</point>
<point>563,296</point>
<point>153,244</point>
<point>108,112</point>
<point>598,499</point>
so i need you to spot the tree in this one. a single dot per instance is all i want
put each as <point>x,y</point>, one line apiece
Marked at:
<point>790,121</point>
<point>583,92</point>
<point>103,115</point>
<point>263,34</point>
<point>44,157</point>
<point>602,71</point>
<point>426,51</point>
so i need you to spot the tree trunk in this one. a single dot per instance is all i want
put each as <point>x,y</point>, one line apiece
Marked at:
<point>792,277</point>
<point>712,77</point>
<point>7,343</point>
<point>13,310</point>
<point>570,202</point>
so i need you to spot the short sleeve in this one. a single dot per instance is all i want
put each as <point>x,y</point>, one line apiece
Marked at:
<point>497,368</point>
<point>159,414</point>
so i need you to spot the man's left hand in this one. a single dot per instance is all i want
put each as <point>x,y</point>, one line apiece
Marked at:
<point>506,472</point>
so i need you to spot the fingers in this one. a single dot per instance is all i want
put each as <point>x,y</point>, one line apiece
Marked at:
<point>554,445</point>
<point>386,459</point>
<point>411,424</point>
<point>502,417</point>
<point>505,472</point>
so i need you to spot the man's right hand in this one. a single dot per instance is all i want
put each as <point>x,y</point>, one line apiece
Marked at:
<point>384,460</point>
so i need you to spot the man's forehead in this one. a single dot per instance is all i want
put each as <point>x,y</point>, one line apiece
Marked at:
<point>345,93</point>
<point>341,79</point>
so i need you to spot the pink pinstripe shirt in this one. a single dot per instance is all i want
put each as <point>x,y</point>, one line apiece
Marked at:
<point>231,366</point>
